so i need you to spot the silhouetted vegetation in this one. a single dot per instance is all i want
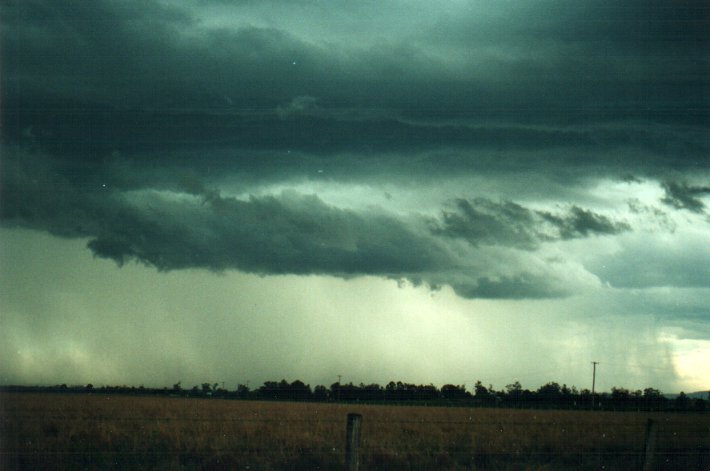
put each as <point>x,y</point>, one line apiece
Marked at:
<point>547,396</point>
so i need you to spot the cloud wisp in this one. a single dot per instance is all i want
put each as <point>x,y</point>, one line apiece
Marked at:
<point>507,223</point>
<point>680,195</point>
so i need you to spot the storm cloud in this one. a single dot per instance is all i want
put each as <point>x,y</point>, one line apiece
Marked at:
<point>542,152</point>
<point>683,196</point>
<point>192,226</point>
<point>161,129</point>
<point>507,223</point>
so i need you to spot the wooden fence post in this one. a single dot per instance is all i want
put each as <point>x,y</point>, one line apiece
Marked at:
<point>352,442</point>
<point>650,448</point>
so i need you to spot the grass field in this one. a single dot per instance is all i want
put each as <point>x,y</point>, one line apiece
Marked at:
<point>55,431</point>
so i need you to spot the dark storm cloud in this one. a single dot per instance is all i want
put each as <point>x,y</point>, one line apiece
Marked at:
<point>658,46</point>
<point>302,132</point>
<point>84,50</point>
<point>683,196</point>
<point>146,54</point>
<point>485,222</point>
<point>290,233</point>
<point>551,60</point>
<point>299,125</point>
<point>191,225</point>
<point>640,26</point>
<point>33,194</point>
<point>582,223</point>
<point>523,286</point>
<point>117,118</point>
<point>88,79</point>
<point>269,235</point>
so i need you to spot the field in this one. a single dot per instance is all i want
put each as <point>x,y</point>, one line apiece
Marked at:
<point>65,431</point>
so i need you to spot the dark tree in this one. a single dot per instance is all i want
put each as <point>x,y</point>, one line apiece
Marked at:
<point>451,392</point>
<point>682,402</point>
<point>621,398</point>
<point>320,393</point>
<point>652,399</point>
<point>482,394</point>
<point>242,391</point>
<point>514,394</point>
<point>298,391</point>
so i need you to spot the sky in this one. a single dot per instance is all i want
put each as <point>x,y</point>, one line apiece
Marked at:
<point>429,192</point>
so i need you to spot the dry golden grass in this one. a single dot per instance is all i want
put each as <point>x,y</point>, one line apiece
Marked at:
<point>56,431</point>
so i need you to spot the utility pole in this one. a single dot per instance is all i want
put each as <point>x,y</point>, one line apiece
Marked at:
<point>594,379</point>
<point>339,376</point>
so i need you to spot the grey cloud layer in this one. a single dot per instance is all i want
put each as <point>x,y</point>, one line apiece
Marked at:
<point>86,80</point>
<point>192,226</point>
<point>287,234</point>
<point>638,59</point>
<point>301,133</point>
<point>122,118</point>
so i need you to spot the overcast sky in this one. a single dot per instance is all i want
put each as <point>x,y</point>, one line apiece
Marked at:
<point>431,192</point>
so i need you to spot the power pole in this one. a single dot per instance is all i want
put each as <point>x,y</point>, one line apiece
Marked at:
<point>339,376</point>
<point>594,379</point>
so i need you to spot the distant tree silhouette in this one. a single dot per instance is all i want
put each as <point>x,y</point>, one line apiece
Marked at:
<point>320,393</point>
<point>514,389</point>
<point>242,391</point>
<point>298,391</point>
<point>549,395</point>
<point>652,398</point>
<point>482,394</point>
<point>452,392</point>
<point>269,390</point>
<point>682,403</point>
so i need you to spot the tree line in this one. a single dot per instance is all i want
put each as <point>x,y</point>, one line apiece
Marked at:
<point>550,395</point>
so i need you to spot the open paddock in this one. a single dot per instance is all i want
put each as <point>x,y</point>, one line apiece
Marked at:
<point>85,431</point>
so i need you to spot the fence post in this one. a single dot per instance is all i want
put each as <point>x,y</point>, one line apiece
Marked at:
<point>352,442</point>
<point>650,448</point>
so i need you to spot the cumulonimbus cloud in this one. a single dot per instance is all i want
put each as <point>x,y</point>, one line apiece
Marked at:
<point>194,226</point>
<point>210,89</point>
